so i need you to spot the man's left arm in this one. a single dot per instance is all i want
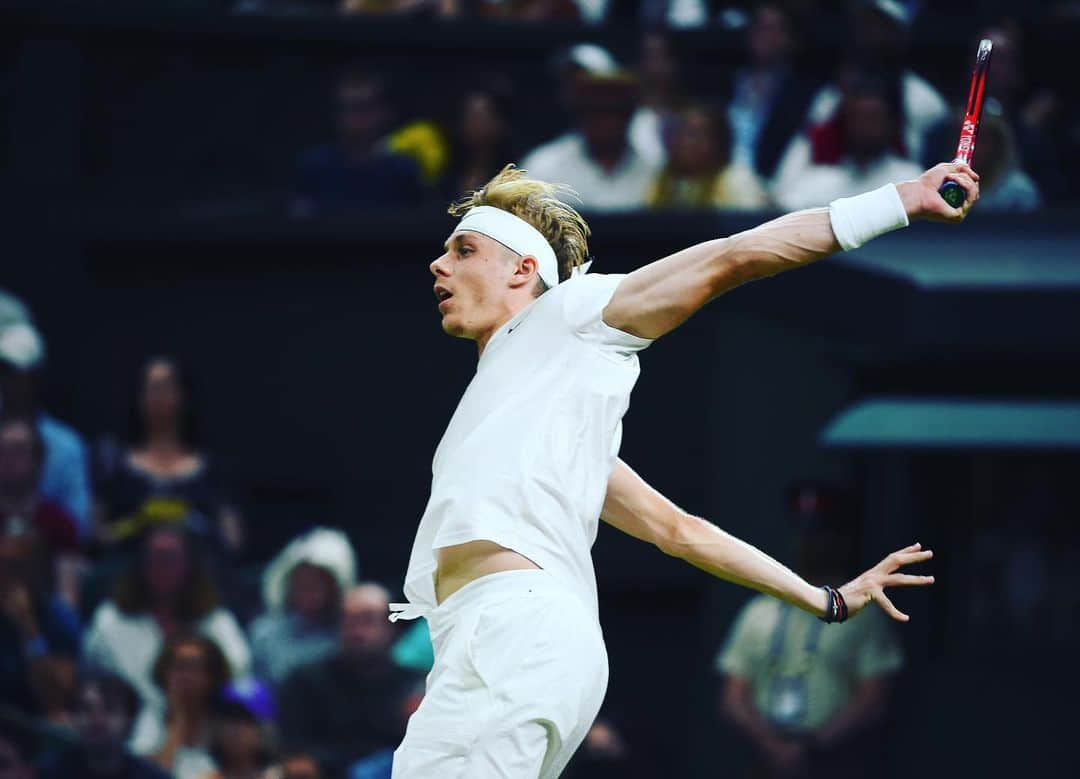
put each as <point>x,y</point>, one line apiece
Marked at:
<point>633,506</point>
<point>656,298</point>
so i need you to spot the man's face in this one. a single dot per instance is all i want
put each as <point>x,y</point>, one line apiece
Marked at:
<point>482,127</point>
<point>769,37</point>
<point>471,284</point>
<point>365,630</point>
<point>162,396</point>
<point>18,461</point>
<point>188,675</point>
<point>694,150</point>
<point>869,124</point>
<point>311,590</point>
<point>605,125</point>
<point>101,722</point>
<point>361,111</point>
<point>657,66</point>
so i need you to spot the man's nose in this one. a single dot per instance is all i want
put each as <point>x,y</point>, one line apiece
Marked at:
<point>438,266</point>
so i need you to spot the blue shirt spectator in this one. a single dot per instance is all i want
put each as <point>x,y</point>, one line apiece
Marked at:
<point>65,477</point>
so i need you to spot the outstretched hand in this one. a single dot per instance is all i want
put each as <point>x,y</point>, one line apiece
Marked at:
<point>922,201</point>
<point>870,586</point>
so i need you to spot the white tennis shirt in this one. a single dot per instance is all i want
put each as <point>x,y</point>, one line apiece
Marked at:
<point>526,458</point>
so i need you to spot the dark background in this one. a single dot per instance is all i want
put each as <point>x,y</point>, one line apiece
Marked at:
<point>143,151</point>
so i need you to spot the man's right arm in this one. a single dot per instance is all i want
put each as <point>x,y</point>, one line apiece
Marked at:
<point>656,298</point>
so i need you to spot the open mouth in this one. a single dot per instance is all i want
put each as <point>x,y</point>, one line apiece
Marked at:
<point>442,294</point>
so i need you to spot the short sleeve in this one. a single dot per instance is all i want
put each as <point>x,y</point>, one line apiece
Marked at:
<point>744,647</point>
<point>879,652</point>
<point>584,300</point>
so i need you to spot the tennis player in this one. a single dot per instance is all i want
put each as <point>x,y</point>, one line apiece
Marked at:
<point>501,564</point>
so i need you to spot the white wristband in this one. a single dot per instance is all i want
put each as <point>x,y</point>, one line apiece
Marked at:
<point>856,220</point>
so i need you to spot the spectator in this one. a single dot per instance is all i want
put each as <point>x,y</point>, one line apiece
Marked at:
<point>597,159</point>
<point>105,712</point>
<point>859,150</point>
<point>768,97</point>
<point>64,477</point>
<point>162,476</point>
<point>39,633</point>
<point>482,138</point>
<point>302,591</point>
<point>1003,185</point>
<point>357,701</point>
<point>23,508</point>
<point>699,174</point>
<point>166,592</point>
<point>810,697</point>
<point>880,34</point>
<point>357,170</point>
<point>238,744</point>
<point>192,672</point>
<point>662,97</point>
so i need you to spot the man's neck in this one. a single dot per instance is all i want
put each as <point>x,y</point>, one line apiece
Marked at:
<point>512,311</point>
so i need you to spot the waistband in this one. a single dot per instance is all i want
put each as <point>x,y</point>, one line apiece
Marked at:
<point>486,588</point>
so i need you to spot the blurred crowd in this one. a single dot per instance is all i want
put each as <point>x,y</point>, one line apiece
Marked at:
<point>136,639</point>
<point>644,134</point>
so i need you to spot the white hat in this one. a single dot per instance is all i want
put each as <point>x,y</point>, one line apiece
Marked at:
<point>12,310</point>
<point>21,346</point>
<point>322,547</point>
<point>594,60</point>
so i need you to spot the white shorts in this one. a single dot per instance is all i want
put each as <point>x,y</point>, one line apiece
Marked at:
<point>520,673</point>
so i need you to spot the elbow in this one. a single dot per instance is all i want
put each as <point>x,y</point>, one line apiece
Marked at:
<point>671,540</point>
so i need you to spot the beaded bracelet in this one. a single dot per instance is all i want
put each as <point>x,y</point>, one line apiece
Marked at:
<point>837,610</point>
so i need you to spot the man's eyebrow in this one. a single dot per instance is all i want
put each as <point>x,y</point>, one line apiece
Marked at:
<point>456,238</point>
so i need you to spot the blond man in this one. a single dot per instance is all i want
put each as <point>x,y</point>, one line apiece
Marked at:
<point>501,564</point>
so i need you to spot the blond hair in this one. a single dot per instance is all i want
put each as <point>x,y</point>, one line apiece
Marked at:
<point>538,203</point>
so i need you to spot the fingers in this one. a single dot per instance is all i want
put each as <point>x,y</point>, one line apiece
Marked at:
<point>910,558</point>
<point>908,580</point>
<point>887,606</point>
<point>963,167</point>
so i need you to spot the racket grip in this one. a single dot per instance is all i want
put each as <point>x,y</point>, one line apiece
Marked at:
<point>952,193</point>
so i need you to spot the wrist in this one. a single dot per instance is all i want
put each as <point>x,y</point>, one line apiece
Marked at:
<point>911,196</point>
<point>862,218</point>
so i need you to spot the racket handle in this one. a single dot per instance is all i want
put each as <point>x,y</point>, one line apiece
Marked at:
<point>952,193</point>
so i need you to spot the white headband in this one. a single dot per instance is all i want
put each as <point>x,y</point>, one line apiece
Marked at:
<point>518,236</point>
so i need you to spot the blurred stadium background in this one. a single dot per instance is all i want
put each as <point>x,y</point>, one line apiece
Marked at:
<point>256,189</point>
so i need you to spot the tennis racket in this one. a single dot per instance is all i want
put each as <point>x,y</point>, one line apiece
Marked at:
<point>950,191</point>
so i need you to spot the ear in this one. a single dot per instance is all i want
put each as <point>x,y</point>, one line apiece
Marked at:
<point>526,272</point>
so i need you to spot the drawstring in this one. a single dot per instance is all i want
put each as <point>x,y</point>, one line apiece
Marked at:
<point>407,611</point>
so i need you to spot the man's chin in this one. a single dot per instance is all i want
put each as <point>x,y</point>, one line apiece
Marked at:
<point>455,329</point>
